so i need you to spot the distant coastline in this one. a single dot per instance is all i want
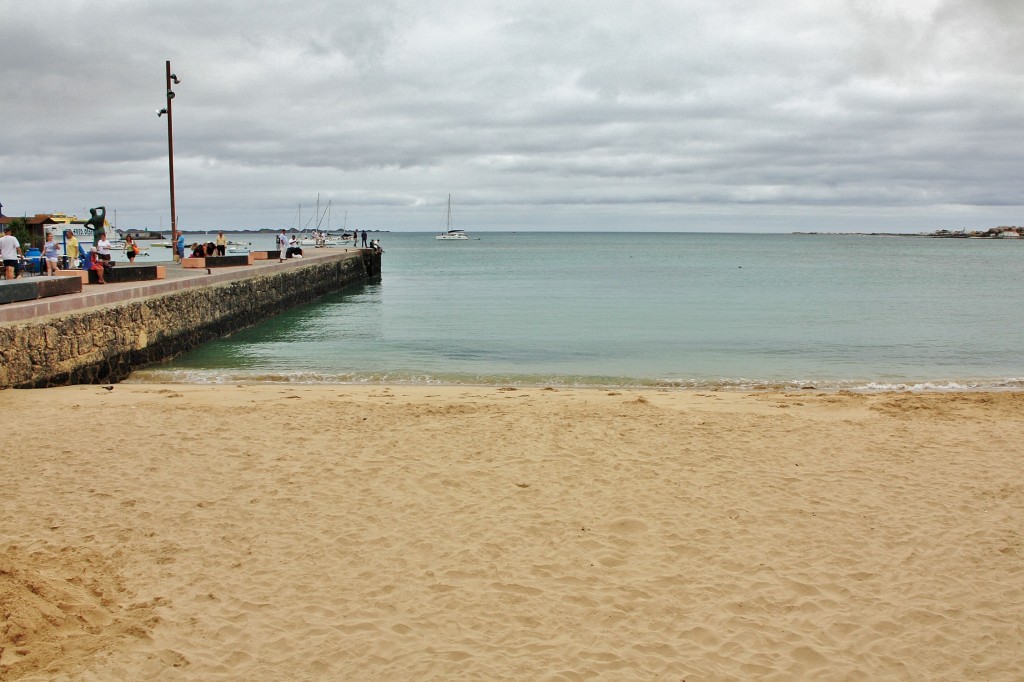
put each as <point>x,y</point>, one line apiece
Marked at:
<point>1002,232</point>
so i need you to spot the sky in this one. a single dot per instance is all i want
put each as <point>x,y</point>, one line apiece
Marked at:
<point>657,115</point>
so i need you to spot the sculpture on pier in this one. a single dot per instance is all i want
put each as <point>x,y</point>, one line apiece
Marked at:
<point>98,216</point>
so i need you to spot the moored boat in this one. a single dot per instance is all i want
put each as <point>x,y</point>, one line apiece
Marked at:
<point>321,240</point>
<point>451,233</point>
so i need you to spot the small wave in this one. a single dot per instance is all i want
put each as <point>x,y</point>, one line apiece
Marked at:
<point>1013,384</point>
<point>234,376</point>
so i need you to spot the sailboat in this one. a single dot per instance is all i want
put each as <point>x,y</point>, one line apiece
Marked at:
<point>322,238</point>
<point>345,234</point>
<point>450,232</point>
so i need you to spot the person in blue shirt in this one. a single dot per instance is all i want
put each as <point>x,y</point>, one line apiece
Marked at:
<point>180,246</point>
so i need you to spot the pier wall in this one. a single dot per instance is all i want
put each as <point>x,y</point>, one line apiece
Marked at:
<point>104,344</point>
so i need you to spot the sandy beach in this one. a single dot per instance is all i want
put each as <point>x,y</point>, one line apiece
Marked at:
<point>278,532</point>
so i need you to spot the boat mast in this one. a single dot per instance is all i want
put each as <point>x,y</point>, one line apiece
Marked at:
<point>320,216</point>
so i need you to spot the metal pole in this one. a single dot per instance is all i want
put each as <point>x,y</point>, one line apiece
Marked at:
<point>170,161</point>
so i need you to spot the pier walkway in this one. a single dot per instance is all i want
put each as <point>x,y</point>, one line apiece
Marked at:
<point>176,279</point>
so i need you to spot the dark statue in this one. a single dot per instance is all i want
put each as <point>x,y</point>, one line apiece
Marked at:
<point>95,222</point>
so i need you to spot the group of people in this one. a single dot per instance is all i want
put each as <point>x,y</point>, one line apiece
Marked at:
<point>214,248</point>
<point>291,247</point>
<point>205,250</point>
<point>288,247</point>
<point>73,254</point>
<point>98,258</point>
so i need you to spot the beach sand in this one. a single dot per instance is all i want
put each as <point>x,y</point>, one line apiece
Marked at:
<point>277,532</point>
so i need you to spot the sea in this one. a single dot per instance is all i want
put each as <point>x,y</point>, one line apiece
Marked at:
<point>648,310</point>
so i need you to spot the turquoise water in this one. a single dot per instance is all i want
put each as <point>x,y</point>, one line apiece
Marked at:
<point>676,310</point>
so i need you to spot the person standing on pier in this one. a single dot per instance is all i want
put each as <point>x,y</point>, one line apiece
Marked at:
<point>51,252</point>
<point>282,245</point>
<point>364,239</point>
<point>70,248</point>
<point>10,251</point>
<point>222,243</point>
<point>131,249</point>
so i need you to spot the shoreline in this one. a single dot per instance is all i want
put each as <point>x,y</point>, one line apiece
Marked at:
<point>411,532</point>
<point>221,377</point>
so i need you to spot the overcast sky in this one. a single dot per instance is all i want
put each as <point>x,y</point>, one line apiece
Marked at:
<point>689,115</point>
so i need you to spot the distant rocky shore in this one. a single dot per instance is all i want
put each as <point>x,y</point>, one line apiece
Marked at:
<point>1002,232</point>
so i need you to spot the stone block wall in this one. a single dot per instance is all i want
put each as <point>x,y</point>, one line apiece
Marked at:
<point>103,345</point>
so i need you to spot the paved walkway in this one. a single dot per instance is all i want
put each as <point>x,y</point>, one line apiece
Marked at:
<point>177,278</point>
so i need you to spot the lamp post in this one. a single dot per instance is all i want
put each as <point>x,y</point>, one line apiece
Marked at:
<point>170,153</point>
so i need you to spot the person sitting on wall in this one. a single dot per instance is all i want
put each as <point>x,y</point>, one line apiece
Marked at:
<point>96,265</point>
<point>103,246</point>
<point>294,250</point>
<point>198,251</point>
<point>210,249</point>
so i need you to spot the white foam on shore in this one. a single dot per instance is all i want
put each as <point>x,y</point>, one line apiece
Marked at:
<point>235,376</point>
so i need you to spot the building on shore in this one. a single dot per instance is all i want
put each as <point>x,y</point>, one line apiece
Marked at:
<point>42,224</point>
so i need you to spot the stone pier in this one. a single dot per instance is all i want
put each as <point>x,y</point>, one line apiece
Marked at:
<point>103,333</point>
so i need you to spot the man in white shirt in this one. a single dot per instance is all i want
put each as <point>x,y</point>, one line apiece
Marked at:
<point>10,250</point>
<point>282,245</point>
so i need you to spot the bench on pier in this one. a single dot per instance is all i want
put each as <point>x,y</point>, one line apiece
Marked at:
<point>80,274</point>
<point>14,290</point>
<point>217,261</point>
<point>128,273</point>
<point>266,255</point>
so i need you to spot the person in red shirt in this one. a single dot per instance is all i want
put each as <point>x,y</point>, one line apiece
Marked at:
<point>96,265</point>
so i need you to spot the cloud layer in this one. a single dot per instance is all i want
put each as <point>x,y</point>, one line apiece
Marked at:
<point>661,115</point>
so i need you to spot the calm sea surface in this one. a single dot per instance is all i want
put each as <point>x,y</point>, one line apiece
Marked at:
<point>672,310</point>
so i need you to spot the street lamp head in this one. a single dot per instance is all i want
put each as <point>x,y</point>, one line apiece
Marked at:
<point>175,79</point>
<point>170,94</point>
<point>160,112</point>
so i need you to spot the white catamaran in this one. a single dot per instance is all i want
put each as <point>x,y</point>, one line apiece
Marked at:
<point>451,232</point>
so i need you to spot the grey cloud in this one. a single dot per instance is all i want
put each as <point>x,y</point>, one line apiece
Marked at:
<point>665,112</point>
